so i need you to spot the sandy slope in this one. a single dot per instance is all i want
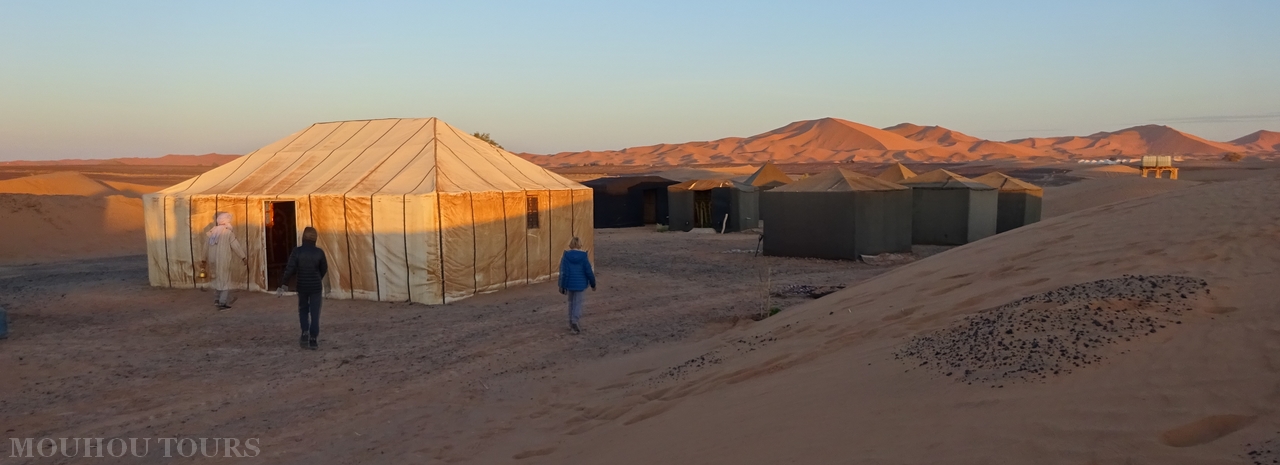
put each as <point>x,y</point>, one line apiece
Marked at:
<point>821,384</point>
<point>1096,192</point>
<point>208,159</point>
<point>38,228</point>
<point>1262,141</point>
<point>57,183</point>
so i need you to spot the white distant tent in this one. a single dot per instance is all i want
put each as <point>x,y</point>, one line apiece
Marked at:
<point>407,210</point>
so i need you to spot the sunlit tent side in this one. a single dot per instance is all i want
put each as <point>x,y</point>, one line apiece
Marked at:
<point>949,209</point>
<point>630,201</point>
<point>895,172</point>
<point>768,177</point>
<point>407,210</point>
<point>1019,201</point>
<point>838,214</point>
<point>707,203</point>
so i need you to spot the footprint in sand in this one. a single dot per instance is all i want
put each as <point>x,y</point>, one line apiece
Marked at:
<point>1205,430</point>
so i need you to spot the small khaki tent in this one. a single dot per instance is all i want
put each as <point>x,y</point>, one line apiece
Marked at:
<point>838,214</point>
<point>713,203</point>
<point>768,177</point>
<point>407,210</point>
<point>895,172</point>
<point>629,201</point>
<point>1019,201</point>
<point>950,209</point>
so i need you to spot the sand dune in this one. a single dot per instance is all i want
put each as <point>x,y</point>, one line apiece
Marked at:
<point>57,183</point>
<point>39,228</point>
<point>1163,307</point>
<point>132,189</point>
<point>208,159</point>
<point>1092,193</point>
<point>829,140</point>
<point>1136,140</point>
<point>1261,141</point>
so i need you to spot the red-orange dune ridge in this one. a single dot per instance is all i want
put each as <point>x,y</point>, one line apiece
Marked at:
<point>1261,141</point>
<point>837,140</point>
<point>1136,140</point>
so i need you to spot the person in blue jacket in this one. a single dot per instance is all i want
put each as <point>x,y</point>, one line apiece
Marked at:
<point>575,276</point>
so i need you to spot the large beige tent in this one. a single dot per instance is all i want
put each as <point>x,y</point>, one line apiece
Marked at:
<point>407,210</point>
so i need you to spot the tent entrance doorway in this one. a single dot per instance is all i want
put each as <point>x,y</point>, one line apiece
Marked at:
<point>702,209</point>
<point>650,206</point>
<point>281,234</point>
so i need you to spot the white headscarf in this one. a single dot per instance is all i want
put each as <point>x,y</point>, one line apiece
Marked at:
<point>222,223</point>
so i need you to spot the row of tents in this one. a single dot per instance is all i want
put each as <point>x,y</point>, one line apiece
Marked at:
<point>836,214</point>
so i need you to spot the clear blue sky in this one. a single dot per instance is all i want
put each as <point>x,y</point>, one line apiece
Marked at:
<point>96,79</point>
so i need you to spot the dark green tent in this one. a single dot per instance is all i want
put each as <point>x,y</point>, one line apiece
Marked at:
<point>706,203</point>
<point>629,201</point>
<point>1019,203</point>
<point>838,214</point>
<point>950,209</point>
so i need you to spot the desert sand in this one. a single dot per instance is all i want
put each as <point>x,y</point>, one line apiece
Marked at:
<point>1167,301</point>
<point>66,215</point>
<point>1067,341</point>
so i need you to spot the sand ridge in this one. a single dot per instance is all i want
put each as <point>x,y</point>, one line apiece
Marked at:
<point>828,140</point>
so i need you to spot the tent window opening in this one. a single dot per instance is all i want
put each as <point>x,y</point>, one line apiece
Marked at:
<point>532,212</point>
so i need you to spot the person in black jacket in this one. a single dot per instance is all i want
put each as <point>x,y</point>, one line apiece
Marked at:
<point>309,264</point>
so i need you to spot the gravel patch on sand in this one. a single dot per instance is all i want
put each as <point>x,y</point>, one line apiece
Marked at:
<point>1055,332</point>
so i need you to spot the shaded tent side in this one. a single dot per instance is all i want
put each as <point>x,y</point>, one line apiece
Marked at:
<point>1019,202</point>
<point>836,225</point>
<point>949,209</point>
<point>630,201</point>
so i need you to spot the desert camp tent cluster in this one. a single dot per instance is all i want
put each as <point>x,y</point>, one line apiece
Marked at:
<point>842,214</point>
<point>407,209</point>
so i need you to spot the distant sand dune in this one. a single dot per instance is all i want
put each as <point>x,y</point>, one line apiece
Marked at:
<point>39,228</point>
<point>57,183</point>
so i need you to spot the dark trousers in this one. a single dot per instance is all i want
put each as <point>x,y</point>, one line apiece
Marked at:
<point>309,312</point>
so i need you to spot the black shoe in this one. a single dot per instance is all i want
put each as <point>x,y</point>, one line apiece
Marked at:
<point>313,344</point>
<point>302,342</point>
<point>574,328</point>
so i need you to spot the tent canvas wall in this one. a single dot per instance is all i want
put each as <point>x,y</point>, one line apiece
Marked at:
<point>1019,201</point>
<point>705,204</point>
<point>838,214</point>
<point>407,210</point>
<point>630,201</point>
<point>949,209</point>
